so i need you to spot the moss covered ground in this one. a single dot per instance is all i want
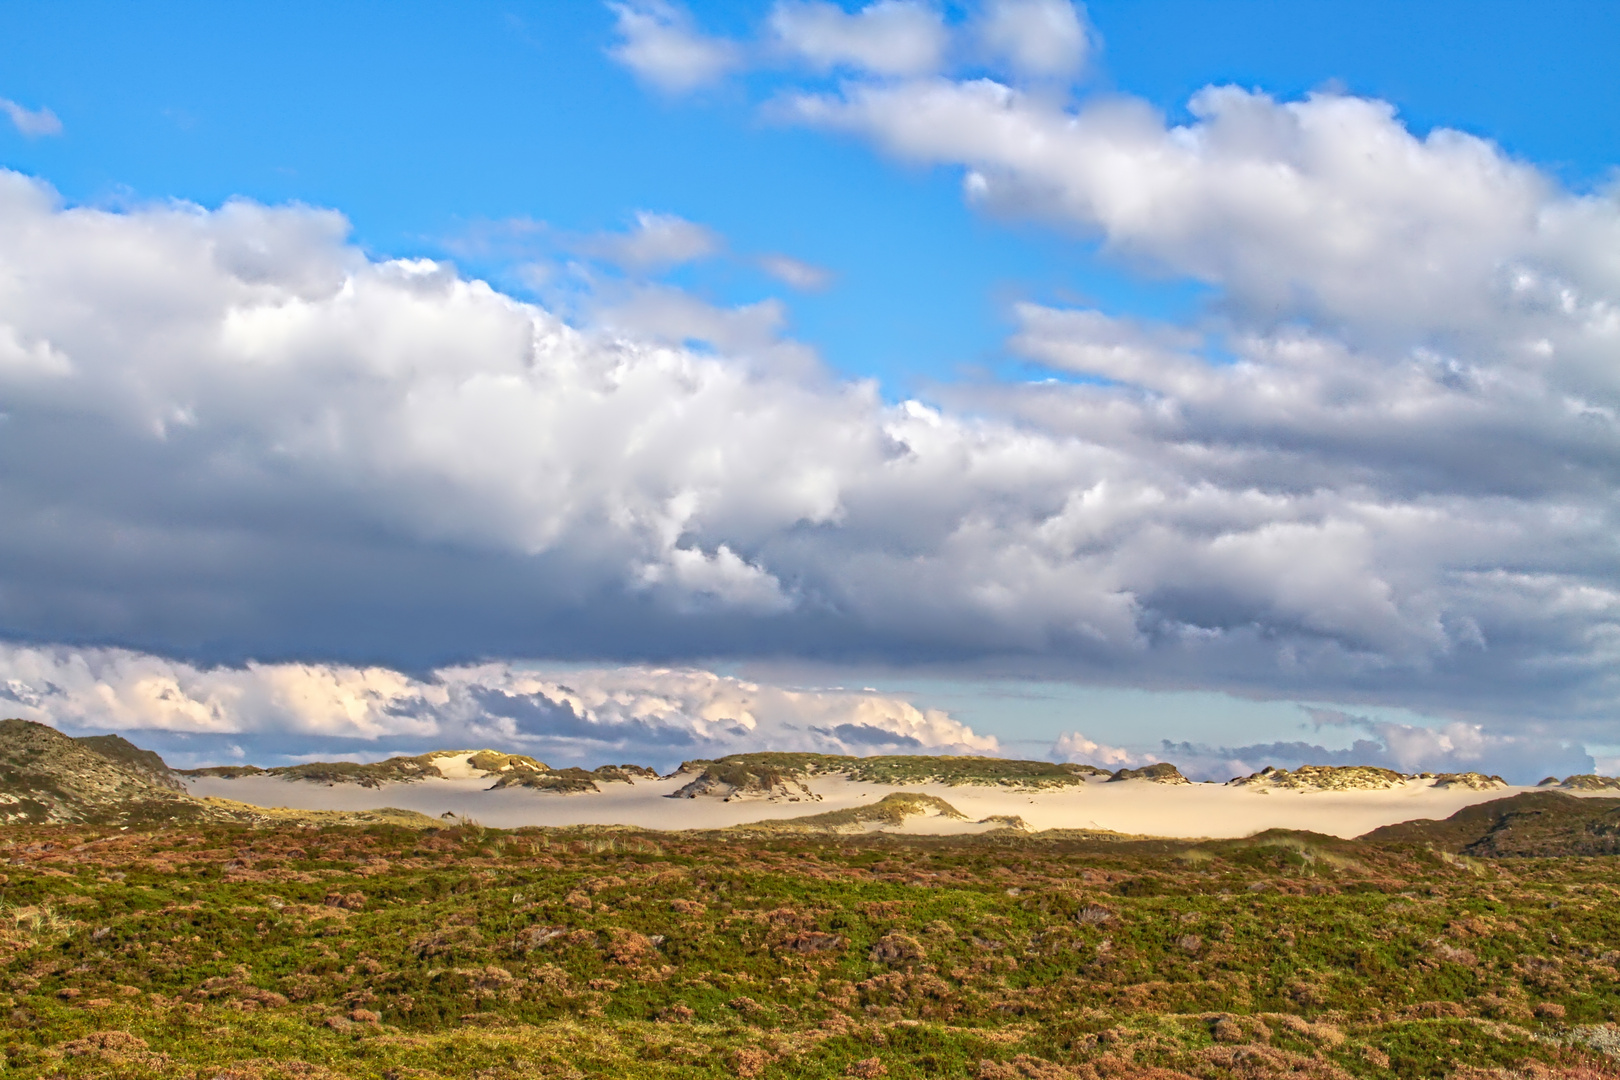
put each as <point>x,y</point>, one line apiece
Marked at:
<point>386,952</point>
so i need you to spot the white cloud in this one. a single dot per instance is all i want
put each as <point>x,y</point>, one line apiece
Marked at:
<point>1075,747</point>
<point>1519,757</point>
<point>751,333</point>
<point>888,37</point>
<point>31,122</point>
<point>1037,38</point>
<point>657,242</point>
<point>1327,208</point>
<point>796,273</point>
<point>662,714</point>
<point>660,44</point>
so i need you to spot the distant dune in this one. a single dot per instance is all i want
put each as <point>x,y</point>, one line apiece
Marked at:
<point>922,795</point>
<point>46,776</point>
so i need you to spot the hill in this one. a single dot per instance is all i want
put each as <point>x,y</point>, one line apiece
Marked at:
<point>781,776</point>
<point>48,777</point>
<point>1533,823</point>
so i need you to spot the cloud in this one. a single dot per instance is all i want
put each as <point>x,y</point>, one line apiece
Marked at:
<point>888,37</point>
<point>752,333</point>
<point>648,715</point>
<point>1520,758</point>
<point>231,434</point>
<point>657,242</point>
<point>1076,747</point>
<point>1325,209</point>
<point>800,275</point>
<point>659,43</point>
<point>1037,38</point>
<point>31,122</point>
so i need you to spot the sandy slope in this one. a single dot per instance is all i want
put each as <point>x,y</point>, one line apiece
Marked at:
<point>1133,806</point>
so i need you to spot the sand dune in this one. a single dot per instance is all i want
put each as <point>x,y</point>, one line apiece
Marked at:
<point>1132,806</point>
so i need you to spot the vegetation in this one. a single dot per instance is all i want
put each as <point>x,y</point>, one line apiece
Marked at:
<point>892,809</point>
<point>394,770</point>
<point>292,950</point>
<point>1533,823</point>
<point>572,780</point>
<point>781,773</point>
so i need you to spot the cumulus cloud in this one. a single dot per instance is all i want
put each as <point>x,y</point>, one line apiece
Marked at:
<point>31,122</point>
<point>1327,209</point>
<point>647,715</point>
<point>888,37</point>
<point>229,433</point>
<point>1037,38</point>
<point>660,44</point>
<point>667,314</point>
<point>1077,747</point>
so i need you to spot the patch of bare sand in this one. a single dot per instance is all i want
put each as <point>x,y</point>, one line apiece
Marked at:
<point>1134,806</point>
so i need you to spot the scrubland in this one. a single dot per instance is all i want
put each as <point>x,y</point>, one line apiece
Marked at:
<point>386,952</point>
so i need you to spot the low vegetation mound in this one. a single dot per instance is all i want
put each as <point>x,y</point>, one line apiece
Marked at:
<point>572,781</point>
<point>1531,824</point>
<point>506,770</point>
<point>1324,778</point>
<point>1586,782</point>
<point>374,774</point>
<point>891,811</point>
<point>1359,778</point>
<point>782,776</point>
<point>1472,780</point>
<point>1162,773</point>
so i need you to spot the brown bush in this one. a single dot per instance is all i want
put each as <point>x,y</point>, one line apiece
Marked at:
<point>97,1042</point>
<point>353,901</point>
<point>867,1069</point>
<point>630,948</point>
<point>749,1061</point>
<point>811,941</point>
<point>897,948</point>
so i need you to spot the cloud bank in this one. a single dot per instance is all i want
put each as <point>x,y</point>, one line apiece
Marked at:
<point>231,435</point>
<point>660,716</point>
<point>280,713</point>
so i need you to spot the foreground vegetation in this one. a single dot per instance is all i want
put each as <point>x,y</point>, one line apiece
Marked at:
<point>385,952</point>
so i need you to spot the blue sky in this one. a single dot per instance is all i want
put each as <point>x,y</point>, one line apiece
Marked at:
<point>420,120</point>
<point>1192,413</point>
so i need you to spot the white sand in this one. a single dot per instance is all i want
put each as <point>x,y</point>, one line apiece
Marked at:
<point>1132,806</point>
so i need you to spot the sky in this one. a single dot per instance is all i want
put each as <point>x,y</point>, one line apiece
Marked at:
<point>1231,382</point>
